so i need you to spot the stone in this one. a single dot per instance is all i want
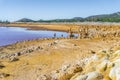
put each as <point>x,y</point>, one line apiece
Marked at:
<point>115,70</point>
<point>74,69</point>
<point>3,75</point>
<point>65,67</point>
<point>117,53</point>
<point>118,74</point>
<point>94,76</point>
<point>18,54</point>
<point>74,44</point>
<point>117,63</point>
<point>81,77</point>
<point>12,59</point>
<point>102,67</point>
<point>112,73</point>
<point>93,52</point>
<point>1,66</point>
<point>89,76</point>
<point>102,54</point>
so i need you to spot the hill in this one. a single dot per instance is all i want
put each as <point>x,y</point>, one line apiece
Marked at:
<point>114,17</point>
<point>25,20</point>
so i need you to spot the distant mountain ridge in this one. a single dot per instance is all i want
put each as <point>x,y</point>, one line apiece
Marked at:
<point>25,20</point>
<point>114,17</point>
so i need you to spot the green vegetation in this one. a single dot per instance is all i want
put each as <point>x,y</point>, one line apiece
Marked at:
<point>25,20</point>
<point>115,17</point>
<point>7,22</point>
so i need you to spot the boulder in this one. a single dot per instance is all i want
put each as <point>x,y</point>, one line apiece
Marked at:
<point>102,55</point>
<point>112,73</point>
<point>117,53</point>
<point>74,69</point>
<point>116,63</point>
<point>103,66</point>
<point>81,77</point>
<point>94,76</point>
<point>89,76</point>
<point>118,74</point>
<point>115,70</point>
<point>17,54</point>
<point>12,59</point>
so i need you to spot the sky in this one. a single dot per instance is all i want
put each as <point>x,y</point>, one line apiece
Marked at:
<point>13,10</point>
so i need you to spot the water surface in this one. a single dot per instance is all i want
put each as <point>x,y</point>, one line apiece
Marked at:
<point>9,35</point>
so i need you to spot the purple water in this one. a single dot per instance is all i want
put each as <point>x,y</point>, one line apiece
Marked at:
<point>9,35</point>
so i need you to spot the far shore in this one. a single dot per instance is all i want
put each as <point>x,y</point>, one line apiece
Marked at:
<point>64,27</point>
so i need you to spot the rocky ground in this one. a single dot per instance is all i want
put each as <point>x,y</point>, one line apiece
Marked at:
<point>61,59</point>
<point>104,65</point>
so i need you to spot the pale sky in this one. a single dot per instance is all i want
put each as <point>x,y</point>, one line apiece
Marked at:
<point>52,9</point>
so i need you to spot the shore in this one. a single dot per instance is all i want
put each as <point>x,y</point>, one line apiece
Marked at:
<point>39,57</point>
<point>62,59</point>
<point>85,30</point>
<point>63,26</point>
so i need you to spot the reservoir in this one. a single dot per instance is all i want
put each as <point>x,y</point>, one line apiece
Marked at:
<point>10,35</point>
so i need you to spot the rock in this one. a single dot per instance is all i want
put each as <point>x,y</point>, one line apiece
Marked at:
<point>118,74</point>
<point>3,75</point>
<point>94,76</point>
<point>117,53</point>
<point>93,52</point>
<point>102,54</point>
<point>63,75</point>
<point>110,65</point>
<point>65,67</point>
<point>30,50</point>
<point>116,63</point>
<point>74,69</point>
<point>52,43</point>
<point>17,54</point>
<point>74,44</point>
<point>81,77</point>
<point>115,70</point>
<point>39,48</point>
<point>102,67</point>
<point>67,72</point>
<point>90,76</point>
<point>54,76</point>
<point>1,66</point>
<point>55,42</point>
<point>44,77</point>
<point>12,59</point>
<point>112,73</point>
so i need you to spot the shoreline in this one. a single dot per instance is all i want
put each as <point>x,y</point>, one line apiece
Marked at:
<point>60,57</point>
<point>64,27</point>
<point>33,30</point>
<point>36,40</point>
<point>36,28</point>
<point>102,30</point>
<point>51,55</point>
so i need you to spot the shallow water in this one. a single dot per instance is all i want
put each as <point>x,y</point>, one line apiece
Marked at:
<point>9,35</point>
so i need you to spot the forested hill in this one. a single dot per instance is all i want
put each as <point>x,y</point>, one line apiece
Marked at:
<point>114,17</point>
